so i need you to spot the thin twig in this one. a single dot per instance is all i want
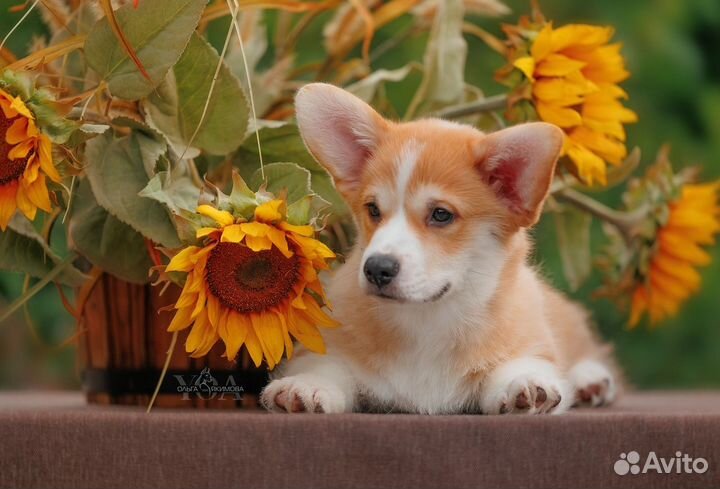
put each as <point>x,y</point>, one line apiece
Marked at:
<point>249,83</point>
<point>489,104</point>
<point>173,341</point>
<point>212,87</point>
<point>17,24</point>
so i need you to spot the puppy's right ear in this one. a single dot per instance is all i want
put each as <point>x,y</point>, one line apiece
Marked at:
<point>340,130</point>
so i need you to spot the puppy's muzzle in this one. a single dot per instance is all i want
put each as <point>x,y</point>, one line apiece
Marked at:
<point>380,270</point>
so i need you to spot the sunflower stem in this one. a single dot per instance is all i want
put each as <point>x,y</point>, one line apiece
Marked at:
<point>489,104</point>
<point>625,222</point>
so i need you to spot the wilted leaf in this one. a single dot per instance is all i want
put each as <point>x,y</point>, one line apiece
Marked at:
<point>368,86</point>
<point>105,241</point>
<point>158,30</point>
<point>444,79</point>
<point>573,232</point>
<point>22,249</point>
<point>117,174</point>
<point>176,107</point>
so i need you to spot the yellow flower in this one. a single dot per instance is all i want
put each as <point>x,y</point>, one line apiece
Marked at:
<point>25,161</point>
<point>253,283</point>
<point>671,277</point>
<point>574,74</point>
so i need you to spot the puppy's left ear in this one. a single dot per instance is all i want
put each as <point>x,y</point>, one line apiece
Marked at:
<point>518,163</point>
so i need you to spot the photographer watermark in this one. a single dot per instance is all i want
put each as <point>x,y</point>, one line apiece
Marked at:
<point>206,386</point>
<point>682,463</point>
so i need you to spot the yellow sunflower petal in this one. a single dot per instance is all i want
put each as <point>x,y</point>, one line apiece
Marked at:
<point>203,232</point>
<point>186,299</point>
<point>542,46</point>
<point>25,205</point>
<point>17,132</point>
<point>233,332</point>
<point>224,218</point>
<point>198,334</point>
<point>527,66</point>
<point>639,306</point>
<point>21,150</point>
<point>258,244</point>
<point>558,65</point>
<point>8,203</point>
<point>560,116</point>
<point>182,261</point>
<point>181,320</point>
<point>286,336</point>
<point>580,36</point>
<point>46,161</point>
<point>32,170</point>
<point>269,211</point>
<point>675,244</point>
<point>269,329</point>
<point>680,271</point>
<point>256,229</point>
<point>214,308</point>
<point>37,193</point>
<point>252,343</point>
<point>278,239</point>
<point>232,233</point>
<point>307,231</point>
<point>21,108</point>
<point>591,168</point>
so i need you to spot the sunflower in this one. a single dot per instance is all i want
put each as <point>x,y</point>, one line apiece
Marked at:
<point>25,161</point>
<point>253,283</point>
<point>571,75</point>
<point>671,277</point>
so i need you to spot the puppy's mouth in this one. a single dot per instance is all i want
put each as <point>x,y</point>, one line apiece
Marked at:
<point>383,294</point>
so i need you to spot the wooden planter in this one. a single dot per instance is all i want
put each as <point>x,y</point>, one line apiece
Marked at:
<point>124,345</point>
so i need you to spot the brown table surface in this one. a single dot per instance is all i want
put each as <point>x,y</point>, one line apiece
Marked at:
<point>55,440</point>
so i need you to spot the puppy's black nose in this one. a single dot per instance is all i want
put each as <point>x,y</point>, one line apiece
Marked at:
<point>381,269</point>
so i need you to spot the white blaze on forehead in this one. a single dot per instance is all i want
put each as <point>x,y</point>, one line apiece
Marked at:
<point>395,236</point>
<point>405,167</point>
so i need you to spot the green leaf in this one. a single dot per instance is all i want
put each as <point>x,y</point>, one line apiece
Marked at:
<point>158,30</point>
<point>284,177</point>
<point>281,144</point>
<point>118,173</point>
<point>242,199</point>
<point>23,250</point>
<point>176,107</point>
<point>444,80</point>
<point>176,192</point>
<point>303,203</point>
<point>105,241</point>
<point>573,232</point>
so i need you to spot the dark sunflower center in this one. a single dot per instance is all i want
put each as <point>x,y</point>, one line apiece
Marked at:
<point>10,170</point>
<point>249,281</point>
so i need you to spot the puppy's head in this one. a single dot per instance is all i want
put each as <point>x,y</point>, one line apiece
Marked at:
<point>435,202</point>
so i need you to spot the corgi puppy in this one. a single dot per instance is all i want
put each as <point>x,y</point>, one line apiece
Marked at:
<point>439,310</point>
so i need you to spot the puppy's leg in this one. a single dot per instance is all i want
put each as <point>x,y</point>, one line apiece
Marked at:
<point>311,383</point>
<point>525,386</point>
<point>593,383</point>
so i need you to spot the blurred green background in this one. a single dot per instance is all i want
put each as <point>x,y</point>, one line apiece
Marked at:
<point>672,51</point>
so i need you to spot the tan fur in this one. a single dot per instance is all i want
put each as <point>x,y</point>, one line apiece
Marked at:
<point>391,347</point>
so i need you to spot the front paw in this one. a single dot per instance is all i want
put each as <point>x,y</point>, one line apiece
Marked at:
<point>524,386</point>
<point>304,394</point>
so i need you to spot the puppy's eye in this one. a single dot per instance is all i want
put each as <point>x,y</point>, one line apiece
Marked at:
<point>373,211</point>
<point>441,217</point>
